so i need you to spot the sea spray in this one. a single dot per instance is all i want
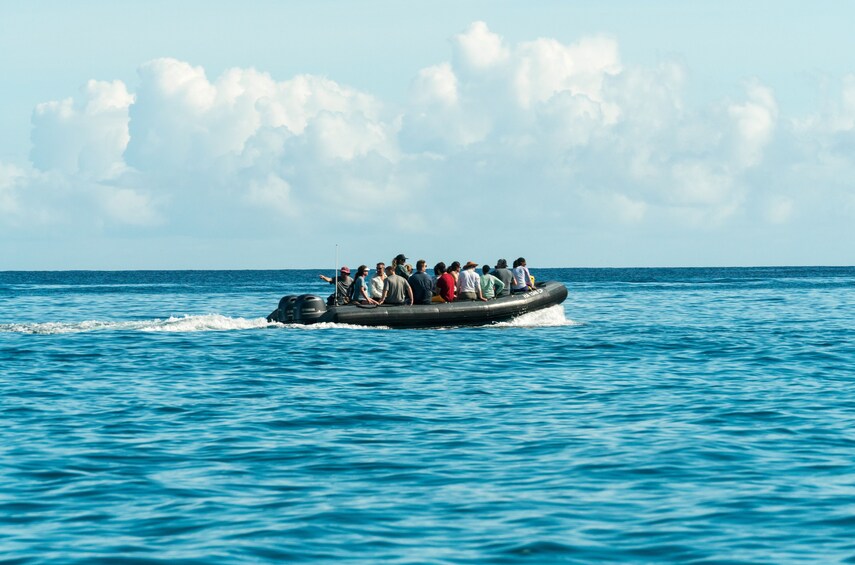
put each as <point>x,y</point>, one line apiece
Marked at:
<point>203,323</point>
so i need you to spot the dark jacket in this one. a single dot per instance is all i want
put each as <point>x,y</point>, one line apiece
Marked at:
<point>422,286</point>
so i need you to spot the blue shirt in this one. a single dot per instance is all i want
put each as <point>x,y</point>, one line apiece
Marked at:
<point>422,286</point>
<point>358,285</point>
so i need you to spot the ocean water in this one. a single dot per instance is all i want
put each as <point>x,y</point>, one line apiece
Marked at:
<point>658,415</point>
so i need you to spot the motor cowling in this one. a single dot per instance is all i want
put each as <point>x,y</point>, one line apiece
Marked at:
<point>308,308</point>
<point>284,314</point>
<point>286,307</point>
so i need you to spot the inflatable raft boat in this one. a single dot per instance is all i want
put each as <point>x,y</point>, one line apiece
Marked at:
<point>311,309</point>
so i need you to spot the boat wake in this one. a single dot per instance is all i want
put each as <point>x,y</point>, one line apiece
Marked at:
<point>203,323</point>
<point>548,317</point>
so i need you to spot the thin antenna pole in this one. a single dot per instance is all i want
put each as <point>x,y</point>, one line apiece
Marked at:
<point>335,292</point>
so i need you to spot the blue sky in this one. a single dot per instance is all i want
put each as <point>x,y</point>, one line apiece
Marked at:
<point>205,135</point>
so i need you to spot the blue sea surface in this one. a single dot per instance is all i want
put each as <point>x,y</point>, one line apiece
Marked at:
<point>658,415</point>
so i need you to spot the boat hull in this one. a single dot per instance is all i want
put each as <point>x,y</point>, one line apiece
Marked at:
<point>464,313</point>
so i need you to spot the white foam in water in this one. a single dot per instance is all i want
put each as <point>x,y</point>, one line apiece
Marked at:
<point>208,322</point>
<point>548,317</point>
<point>50,328</point>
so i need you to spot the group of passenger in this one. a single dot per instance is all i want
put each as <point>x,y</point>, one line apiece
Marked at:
<point>398,284</point>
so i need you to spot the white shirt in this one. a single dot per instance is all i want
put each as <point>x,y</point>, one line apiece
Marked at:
<point>468,281</point>
<point>522,278</point>
<point>376,287</point>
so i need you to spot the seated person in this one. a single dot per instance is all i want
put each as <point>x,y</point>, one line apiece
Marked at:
<point>359,289</point>
<point>438,272</point>
<point>422,284</point>
<point>400,264</point>
<point>469,283</point>
<point>396,291</point>
<point>523,281</point>
<point>377,281</point>
<point>504,274</point>
<point>342,289</point>
<point>446,284</point>
<point>491,286</point>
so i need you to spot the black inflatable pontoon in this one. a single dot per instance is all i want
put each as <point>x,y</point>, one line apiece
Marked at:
<point>311,309</point>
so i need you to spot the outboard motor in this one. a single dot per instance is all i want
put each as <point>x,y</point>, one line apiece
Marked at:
<point>285,313</point>
<point>286,308</point>
<point>308,309</point>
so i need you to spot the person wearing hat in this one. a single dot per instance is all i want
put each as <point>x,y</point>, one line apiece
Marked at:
<point>342,289</point>
<point>400,264</point>
<point>469,283</point>
<point>504,274</point>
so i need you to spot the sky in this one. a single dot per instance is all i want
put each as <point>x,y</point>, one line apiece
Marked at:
<point>275,134</point>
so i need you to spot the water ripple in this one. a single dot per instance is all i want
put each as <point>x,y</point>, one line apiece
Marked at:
<point>682,416</point>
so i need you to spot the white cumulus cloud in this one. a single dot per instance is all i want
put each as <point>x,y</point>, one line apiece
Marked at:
<point>755,121</point>
<point>10,178</point>
<point>546,67</point>
<point>577,133</point>
<point>479,49</point>
<point>86,136</point>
